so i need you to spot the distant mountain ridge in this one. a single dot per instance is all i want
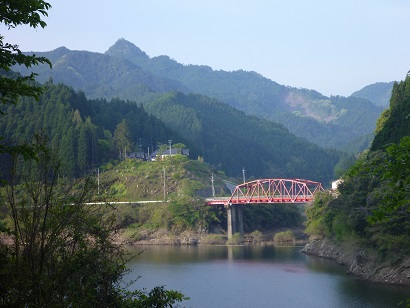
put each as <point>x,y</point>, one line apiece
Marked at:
<point>378,93</point>
<point>84,131</point>
<point>100,75</point>
<point>125,71</point>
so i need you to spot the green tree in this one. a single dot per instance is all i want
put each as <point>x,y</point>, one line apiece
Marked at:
<point>394,194</point>
<point>62,253</point>
<point>162,148</point>
<point>82,152</point>
<point>68,153</point>
<point>122,138</point>
<point>12,14</point>
<point>12,86</point>
<point>179,147</point>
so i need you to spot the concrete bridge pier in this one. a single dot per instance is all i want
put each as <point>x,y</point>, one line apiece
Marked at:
<point>234,219</point>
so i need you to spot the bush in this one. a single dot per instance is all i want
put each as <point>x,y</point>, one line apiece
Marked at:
<point>236,239</point>
<point>255,237</point>
<point>285,236</point>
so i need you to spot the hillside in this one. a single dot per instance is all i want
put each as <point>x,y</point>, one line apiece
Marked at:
<point>371,212</point>
<point>394,123</point>
<point>378,93</point>
<point>82,130</point>
<point>183,183</point>
<point>101,76</point>
<point>306,113</point>
<point>85,132</point>
<point>229,138</point>
<point>126,72</point>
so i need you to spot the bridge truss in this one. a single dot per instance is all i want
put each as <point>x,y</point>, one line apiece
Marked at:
<point>271,191</point>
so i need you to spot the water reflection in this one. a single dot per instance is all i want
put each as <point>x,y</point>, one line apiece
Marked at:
<point>258,276</point>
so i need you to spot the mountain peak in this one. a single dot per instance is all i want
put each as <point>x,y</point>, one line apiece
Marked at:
<point>125,49</point>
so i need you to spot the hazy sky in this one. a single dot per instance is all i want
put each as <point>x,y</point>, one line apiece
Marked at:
<point>333,46</point>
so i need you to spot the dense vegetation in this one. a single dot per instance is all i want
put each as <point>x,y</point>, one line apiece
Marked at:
<point>82,130</point>
<point>372,205</point>
<point>55,250</point>
<point>394,123</point>
<point>181,181</point>
<point>306,113</point>
<point>378,93</point>
<point>126,72</point>
<point>336,122</point>
<point>231,140</point>
<point>86,133</point>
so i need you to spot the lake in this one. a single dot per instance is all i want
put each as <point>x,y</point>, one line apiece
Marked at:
<point>255,276</point>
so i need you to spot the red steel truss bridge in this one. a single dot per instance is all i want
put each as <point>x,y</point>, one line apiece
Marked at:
<point>270,191</point>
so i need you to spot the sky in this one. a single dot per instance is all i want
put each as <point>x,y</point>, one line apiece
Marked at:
<point>335,47</point>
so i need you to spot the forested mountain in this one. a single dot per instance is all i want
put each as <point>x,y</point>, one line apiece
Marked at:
<point>101,76</point>
<point>372,208</point>
<point>394,123</point>
<point>233,140</point>
<point>329,122</point>
<point>126,72</point>
<point>84,130</point>
<point>378,93</point>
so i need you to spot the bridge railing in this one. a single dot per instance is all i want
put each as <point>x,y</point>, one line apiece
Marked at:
<point>271,191</point>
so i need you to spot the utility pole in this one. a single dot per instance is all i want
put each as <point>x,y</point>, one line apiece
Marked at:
<point>98,181</point>
<point>164,185</point>
<point>243,174</point>
<point>170,142</point>
<point>213,188</point>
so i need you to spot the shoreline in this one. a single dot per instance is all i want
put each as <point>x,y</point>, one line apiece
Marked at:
<point>361,262</point>
<point>190,238</point>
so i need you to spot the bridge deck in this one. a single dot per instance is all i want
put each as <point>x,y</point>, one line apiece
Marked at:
<point>258,200</point>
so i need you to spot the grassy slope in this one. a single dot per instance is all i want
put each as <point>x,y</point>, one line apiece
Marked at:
<point>187,181</point>
<point>139,180</point>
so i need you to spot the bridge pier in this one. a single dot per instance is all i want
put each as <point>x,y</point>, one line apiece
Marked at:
<point>234,214</point>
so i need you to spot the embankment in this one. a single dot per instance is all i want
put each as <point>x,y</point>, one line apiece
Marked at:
<point>362,262</point>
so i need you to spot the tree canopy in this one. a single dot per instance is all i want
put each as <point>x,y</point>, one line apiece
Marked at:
<point>12,14</point>
<point>372,203</point>
<point>55,250</point>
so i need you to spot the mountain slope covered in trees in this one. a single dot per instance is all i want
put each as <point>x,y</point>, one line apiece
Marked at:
<point>126,72</point>
<point>372,208</point>
<point>84,131</point>
<point>378,93</point>
<point>229,138</point>
<point>329,122</point>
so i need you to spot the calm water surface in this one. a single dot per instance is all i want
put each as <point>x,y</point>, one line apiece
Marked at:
<point>255,276</point>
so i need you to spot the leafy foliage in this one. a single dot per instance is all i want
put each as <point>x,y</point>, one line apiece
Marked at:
<point>55,239</point>
<point>271,217</point>
<point>60,251</point>
<point>83,130</point>
<point>158,297</point>
<point>13,14</point>
<point>284,236</point>
<point>122,138</point>
<point>373,200</point>
<point>395,123</point>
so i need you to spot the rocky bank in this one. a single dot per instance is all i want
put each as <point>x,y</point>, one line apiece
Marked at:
<point>361,262</point>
